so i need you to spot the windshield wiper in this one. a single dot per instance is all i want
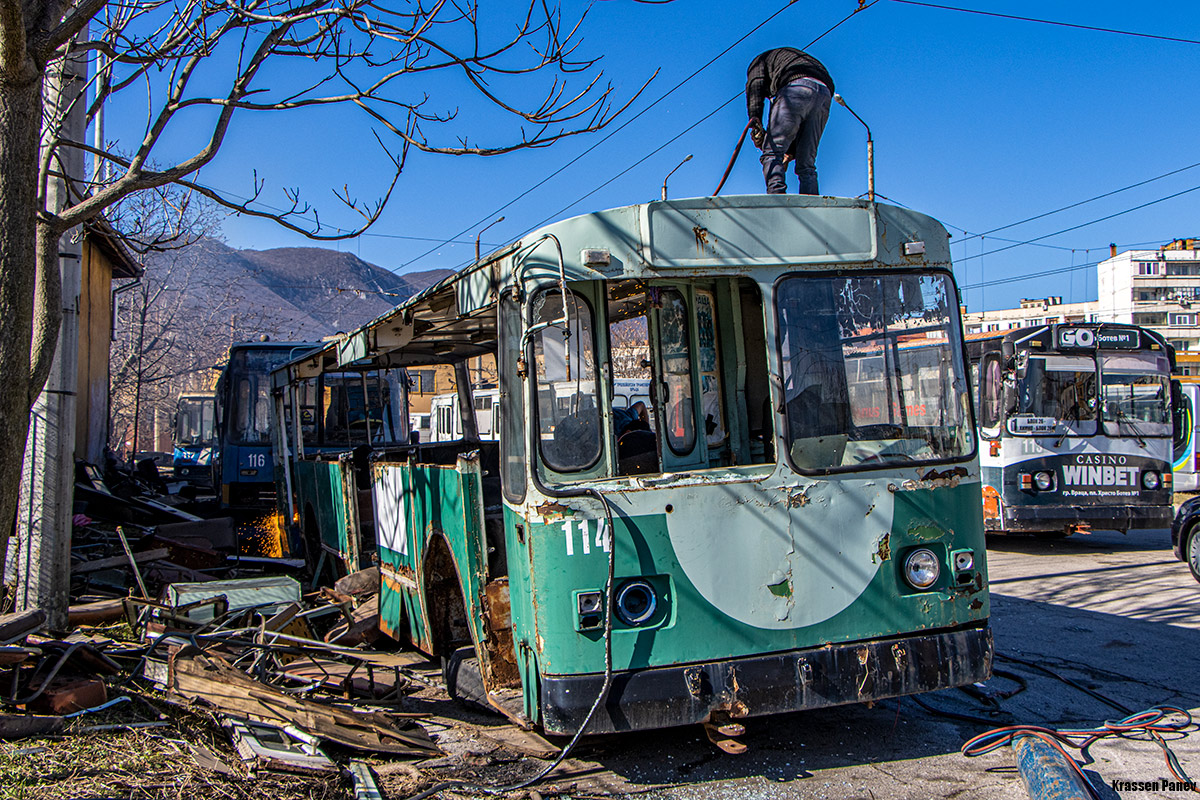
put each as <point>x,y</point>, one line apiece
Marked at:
<point>1122,417</point>
<point>1067,428</point>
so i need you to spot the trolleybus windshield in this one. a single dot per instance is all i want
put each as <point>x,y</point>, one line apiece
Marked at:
<point>1056,395</point>
<point>1135,394</point>
<point>194,421</point>
<point>250,407</point>
<point>872,371</point>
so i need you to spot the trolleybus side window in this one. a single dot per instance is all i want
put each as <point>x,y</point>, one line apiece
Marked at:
<point>711,401</point>
<point>512,401</point>
<point>991,395</point>
<point>872,371</point>
<point>1135,392</point>
<point>1061,389</point>
<point>677,373</point>
<point>568,409</point>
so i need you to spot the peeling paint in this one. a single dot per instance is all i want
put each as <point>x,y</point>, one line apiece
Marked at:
<point>781,589</point>
<point>975,604</point>
<point>551,511</point>
<point>927,531</point>
<point>884,550</point>
<point>799,500</point>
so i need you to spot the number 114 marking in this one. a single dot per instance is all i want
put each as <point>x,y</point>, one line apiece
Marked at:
<point>601,540</point>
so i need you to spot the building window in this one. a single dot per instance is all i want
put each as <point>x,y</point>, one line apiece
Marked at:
<point>994,326</point>
<point>1181,319</point>
<point>1147,268</point>
<point>422,380</point>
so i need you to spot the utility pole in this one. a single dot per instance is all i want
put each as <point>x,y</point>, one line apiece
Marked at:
<point>42,558</point>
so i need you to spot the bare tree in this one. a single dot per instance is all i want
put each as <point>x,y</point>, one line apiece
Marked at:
<point>387,63</point>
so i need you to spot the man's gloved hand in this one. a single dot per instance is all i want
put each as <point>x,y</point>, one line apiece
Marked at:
<point>757,134</point>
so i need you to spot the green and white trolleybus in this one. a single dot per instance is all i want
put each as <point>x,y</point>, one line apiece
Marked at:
<point>798,523</point>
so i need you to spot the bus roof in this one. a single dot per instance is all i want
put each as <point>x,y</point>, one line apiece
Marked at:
<point>714,236</point>
<point>1030,336</point>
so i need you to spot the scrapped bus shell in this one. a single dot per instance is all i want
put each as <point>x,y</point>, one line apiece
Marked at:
<point>765,546</point>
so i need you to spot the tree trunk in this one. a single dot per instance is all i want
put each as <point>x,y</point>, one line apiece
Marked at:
<point>20,122</point>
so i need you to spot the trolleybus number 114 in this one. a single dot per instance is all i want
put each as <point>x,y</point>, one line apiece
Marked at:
<point>601,540</point>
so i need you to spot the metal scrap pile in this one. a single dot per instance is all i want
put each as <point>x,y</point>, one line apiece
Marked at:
<point>286,676</point>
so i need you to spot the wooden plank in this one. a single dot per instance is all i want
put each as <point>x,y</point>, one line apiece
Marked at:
<point>19,625</point>
<point>19,726</point>
<point>213,680</point>
<point>96,613</point>
<point>157,554</point>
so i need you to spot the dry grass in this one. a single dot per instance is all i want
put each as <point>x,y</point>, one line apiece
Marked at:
<point>145,763</point>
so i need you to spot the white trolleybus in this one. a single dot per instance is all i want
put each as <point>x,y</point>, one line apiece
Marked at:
<point>1076,427</point>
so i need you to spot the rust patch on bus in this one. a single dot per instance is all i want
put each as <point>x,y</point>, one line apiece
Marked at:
<point>500,658</point>
<point>552,511</point>
<point>884,549</point>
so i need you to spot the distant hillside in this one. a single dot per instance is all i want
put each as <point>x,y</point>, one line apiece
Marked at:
<point>289,293</point>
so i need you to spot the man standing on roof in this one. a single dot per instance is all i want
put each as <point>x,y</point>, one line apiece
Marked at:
<point>800,90</point>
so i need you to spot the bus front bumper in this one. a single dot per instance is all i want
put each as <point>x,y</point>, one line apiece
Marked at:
<point>833,675</point>
<point>1032,519</point>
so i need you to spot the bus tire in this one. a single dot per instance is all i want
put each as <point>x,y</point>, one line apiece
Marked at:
<point>1191,552</point>
<point>464,680</point>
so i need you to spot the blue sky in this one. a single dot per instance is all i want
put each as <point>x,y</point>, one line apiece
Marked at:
<point>978,121</point>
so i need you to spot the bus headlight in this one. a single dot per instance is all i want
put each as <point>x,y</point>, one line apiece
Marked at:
<point>964,560</point>
<point>921,568</point>
<point>1151,479</point>
<point>636,602</point>
<point>1044,481</point>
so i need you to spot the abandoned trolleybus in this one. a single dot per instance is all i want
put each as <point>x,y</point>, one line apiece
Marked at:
<point>243,474</point>
<point>797,523</point>
<point>1076,427</point>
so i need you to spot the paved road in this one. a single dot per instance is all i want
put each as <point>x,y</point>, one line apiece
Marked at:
<point>1115,613</point>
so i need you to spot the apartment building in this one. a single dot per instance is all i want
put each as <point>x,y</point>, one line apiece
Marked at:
<point>1157,289</point>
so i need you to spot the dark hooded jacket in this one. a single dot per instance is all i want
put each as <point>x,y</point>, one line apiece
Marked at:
<point>774,69</point>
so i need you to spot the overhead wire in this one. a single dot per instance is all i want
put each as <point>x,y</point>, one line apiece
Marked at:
<point>607,136</point>
<point>678,136</point>
<point>1083,224</point>
<point>1078,26</point>
<point>1070,206</point>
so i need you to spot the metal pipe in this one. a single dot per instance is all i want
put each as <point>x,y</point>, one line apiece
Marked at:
<point>870,148</point>
<point>479,235</point>
<point>672,172</point>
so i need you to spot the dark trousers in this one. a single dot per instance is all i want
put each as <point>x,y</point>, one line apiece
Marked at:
<point>797,119</point>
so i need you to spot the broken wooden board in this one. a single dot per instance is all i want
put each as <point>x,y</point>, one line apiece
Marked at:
<point>12,654</point>
<point>96,613</point>
<point>365,581</point>
<point>14,627</point>
<point>364,626</point>
<point>20,726</point>
<point>512,738</point>
<point>211,679</point>
<point>348,680</point>
<point>157,554</point>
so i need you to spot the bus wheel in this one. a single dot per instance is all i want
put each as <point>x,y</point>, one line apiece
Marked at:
<point>464,680</point>
<point>1192,551</point>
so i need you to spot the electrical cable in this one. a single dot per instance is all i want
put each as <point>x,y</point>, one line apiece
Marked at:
<point>1153,722</point>
<point>1084,224</point>
<point>674,138</point>
<point>1051,22</point>
<point>1072,205</point>
<point>606,137</point>
<point>601,697</point>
